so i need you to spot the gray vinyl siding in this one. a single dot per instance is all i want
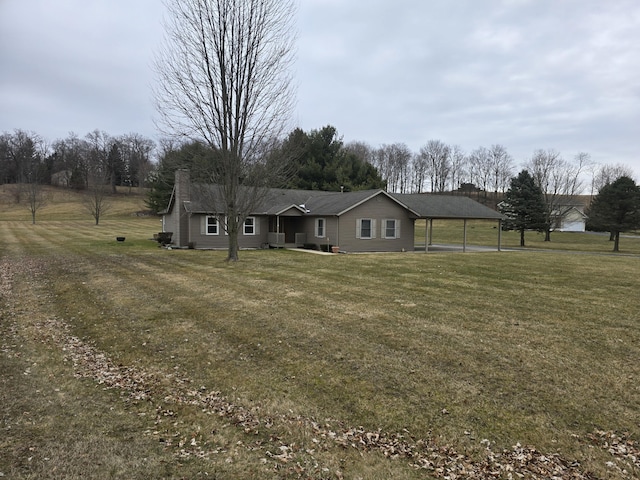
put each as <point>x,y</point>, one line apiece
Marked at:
<point>330,230</point>
<point>377,209</point>
<point>170,223</point>
<point>198,236</point>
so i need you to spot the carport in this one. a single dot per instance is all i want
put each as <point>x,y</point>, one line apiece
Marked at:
<point>449,207</point>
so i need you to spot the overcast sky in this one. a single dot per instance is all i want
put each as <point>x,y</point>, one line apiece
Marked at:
<point>527,74</point>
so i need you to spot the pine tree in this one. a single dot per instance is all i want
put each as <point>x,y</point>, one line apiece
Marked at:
<point>616,209</point>
<point>523,205</point>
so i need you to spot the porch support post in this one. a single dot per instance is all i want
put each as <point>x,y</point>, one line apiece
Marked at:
<point>426,235</point>
<point>464,236</point>
<point>278,232</point>
<point>431,231</point>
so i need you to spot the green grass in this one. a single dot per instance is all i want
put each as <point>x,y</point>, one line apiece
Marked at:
<point>541,348</point>
<point>485,233</point>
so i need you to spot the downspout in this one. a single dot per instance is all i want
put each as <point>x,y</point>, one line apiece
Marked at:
<point>500,235</point>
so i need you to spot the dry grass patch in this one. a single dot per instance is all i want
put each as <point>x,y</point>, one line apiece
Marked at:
<point>67,204</point>
<point>438,349</point>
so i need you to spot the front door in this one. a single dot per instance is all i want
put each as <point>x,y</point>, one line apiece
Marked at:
<point>289,226</point>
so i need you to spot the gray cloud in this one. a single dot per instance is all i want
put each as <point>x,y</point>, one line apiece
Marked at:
<point>526,74</point>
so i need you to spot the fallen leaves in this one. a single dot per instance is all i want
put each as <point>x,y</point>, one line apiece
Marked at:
<point>441,461</point>
<point>167,391</point>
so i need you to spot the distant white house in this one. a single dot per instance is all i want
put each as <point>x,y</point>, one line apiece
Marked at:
<point>569,215</point>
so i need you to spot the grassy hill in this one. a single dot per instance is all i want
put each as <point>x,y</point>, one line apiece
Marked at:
<point>125,360</point>
<point>66,204</point>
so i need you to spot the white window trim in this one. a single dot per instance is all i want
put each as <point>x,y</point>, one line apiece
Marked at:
<point>324,228</point>
<point>206,225</point>
<point>383,229</point>
<point>372,229</point>
<point>253,226</point>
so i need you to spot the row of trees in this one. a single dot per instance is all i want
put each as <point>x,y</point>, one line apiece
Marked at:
<point>439,167</point>
<point>96,158</point>
<point>615,209</point>
<point>97,163</point>
<point>314,160</point>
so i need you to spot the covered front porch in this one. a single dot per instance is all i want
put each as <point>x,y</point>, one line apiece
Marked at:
<point>286,231</point>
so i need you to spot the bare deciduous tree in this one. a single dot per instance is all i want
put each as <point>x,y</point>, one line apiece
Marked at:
<point>419,173</point>
<point>362,150</point>
<point>438,159</point>
<point>480,169</point>
<point>34,177</point>
<point>136,158</point>
<point>458,167</point>
<point>96,199</point>
<point>559,181</point>
<point>609,173</point>
<point>393,162</point>
<point>224,79</point>
<point>501,168</point>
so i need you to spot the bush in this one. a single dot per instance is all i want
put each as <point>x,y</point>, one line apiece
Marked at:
<point>163,238</point>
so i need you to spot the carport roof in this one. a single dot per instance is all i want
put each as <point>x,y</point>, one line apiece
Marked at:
<point>446,206</point>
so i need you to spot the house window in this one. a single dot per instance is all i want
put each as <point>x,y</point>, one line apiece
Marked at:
<point>391,228</point>
<point>213,227</point>
<point>320,227</point>
<point>250,226</point>
<point>365,228</point>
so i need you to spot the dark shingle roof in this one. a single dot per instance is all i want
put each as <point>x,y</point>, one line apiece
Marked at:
<point>446,206</point>
<point>315,202</point>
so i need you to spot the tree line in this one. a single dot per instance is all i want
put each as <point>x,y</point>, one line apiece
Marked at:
<point>316,160</point>
<point>615,208</point>
<point>77,162</point>
<point>96,163</point>
<point>320,160</point>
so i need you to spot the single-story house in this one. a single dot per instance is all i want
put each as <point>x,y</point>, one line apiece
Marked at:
<point>360,221</point>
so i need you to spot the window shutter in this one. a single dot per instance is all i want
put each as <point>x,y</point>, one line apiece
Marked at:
<point>256,225</point>
<point>397,228</point>
<point>203,224</point>
<point>373,228</point>
<point>358,227</point>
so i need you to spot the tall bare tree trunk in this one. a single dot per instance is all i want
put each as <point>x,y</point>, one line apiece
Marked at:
<point>224,80</point>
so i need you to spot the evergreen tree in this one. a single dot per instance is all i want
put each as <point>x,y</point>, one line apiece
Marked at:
<point>322,163</point>
<point>523,205</point>
<point>616,209</point>
<point>197,157</point>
